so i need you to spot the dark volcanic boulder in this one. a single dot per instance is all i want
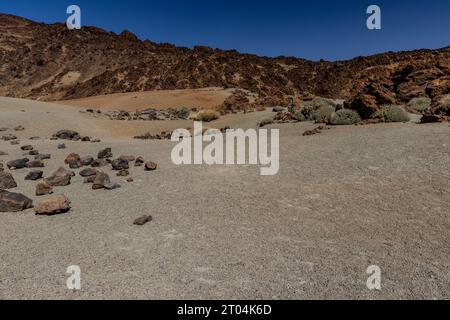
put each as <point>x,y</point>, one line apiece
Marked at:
<point>14,202</point>
<point>67,135</point>
<point>35,164</point>
<point>18,164</point>
<point>34,175</point>
<point>100,181</point>
<point>7,180</point>
<point>87,161</point>
<point>89,172</point>
<point>43,157</point>
<point>105,153</point>
<point>120,164</point>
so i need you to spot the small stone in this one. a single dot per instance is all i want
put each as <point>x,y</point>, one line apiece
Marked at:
<point>99,163</point>
<point>100,181</point>
<point>139,161</point>
<point>120,164</point>
<point>14,202</point>
<point>68,135</point>
<point>151,166</point>
<point>43,157</point>
<point>105,153</point>
<point>19,128</point>
<point>89,179</point>
<point>35,164</point>
<point>33,153</point>
<point>7,180</point>
<point>87,161</point>
<point>27,148</point>
<point>43,189</point>
<point>112,186</point>
<point>58,181</point>
<point>61,146</point>
<point>129,180</point>
<point>127,158</point>
<point>3,153</point>
<point>34,175</point>
<point>85,139</point>
<point>9,137</point>
<point>143,220</point>
<point>14,142</point>
<point>54,205</point>
<point>123,173</point>
<point>89,172</point>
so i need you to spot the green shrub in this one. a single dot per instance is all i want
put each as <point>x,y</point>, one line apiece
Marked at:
<point>419,104</point>
<point>318,102</point>
<point>206,116</point>
<point>322,114</point>
<point>392,114</point>
<point>344,117</point>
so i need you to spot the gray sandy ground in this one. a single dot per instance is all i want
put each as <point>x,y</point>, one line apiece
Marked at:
<point>346,199</point>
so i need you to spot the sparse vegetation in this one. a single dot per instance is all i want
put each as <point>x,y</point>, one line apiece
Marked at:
<point>392,113</point>
<point>419,104</point>
<point>344,117</point>
<point>206,116</point>
<point>322,114</point>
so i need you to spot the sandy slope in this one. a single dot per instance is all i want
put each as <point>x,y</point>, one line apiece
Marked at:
<point>207,98</point>
<point>345,199</point>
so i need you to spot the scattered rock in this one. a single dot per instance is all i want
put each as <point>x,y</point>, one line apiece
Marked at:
<point>62,172</point>
<point>151,166</point>
<point>60,178</point>
<point>99,163</point>
<point>130,180</point>
<point>89,172</point>
<point>19,128</point>
<point>120,164</point>
<point>112,186</point>
<point>89,179</point>
<point>34,138</point>
<point>105,153</point>
<point>54,205</point>
<point>67,135</point>
<point>7,180</point>
<point>85,139</point>
<point>123,173</point>
<point>9,137</point>
<point>128,158</point>
<point>313,132</point>
<point>17,164</point>
<point>43,189</point>
<point>61,146</point>
<point>33,153</point>
<point>27,148</point>
<point>73,157</point>
<point>14,202</point>
<point>43,157</point>
<point>87,161</point>
<point>139,162</point>
<point>15,142</point>
<point>143,220</point>
<point>34,175</point>
<point>100,181</point>
<point>35,164</point>
<point>3,153</point>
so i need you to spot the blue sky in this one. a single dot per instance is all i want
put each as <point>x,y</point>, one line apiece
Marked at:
<point>315,29</point>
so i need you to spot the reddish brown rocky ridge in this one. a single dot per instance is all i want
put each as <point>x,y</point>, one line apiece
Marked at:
<point>50,62</point>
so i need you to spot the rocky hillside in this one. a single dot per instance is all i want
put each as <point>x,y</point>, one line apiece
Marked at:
<point>49,62</point>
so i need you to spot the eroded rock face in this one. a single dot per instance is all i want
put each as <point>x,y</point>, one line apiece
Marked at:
<point>7,180</point>
<point>14,202</point>
<point>54,205</point>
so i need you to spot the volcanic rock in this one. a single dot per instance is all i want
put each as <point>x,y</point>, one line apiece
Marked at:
<point>143,220</point>
<point>54,205</point>
<point>67,135</point>
<point>43,189</point>
<point>27,148</point>
<point>151,166</point>
<point>34,175</point>
<point>7,180</point>
<point>120,164</point>
<point>17,164</point>
<point>35,164</point>
<point>105,153</point>
<point>14,202</point>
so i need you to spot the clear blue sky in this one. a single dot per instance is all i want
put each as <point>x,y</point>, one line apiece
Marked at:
<point>314,29</point>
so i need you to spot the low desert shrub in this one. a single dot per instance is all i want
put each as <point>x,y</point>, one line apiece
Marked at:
<point>392,113</point>
<point>322,114</point>
<point>344,117</point>
<point>206,116</point>
<point>419,104</point>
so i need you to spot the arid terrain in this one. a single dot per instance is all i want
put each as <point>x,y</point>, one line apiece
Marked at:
<point>353,190</point>
<point>348,198</point>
